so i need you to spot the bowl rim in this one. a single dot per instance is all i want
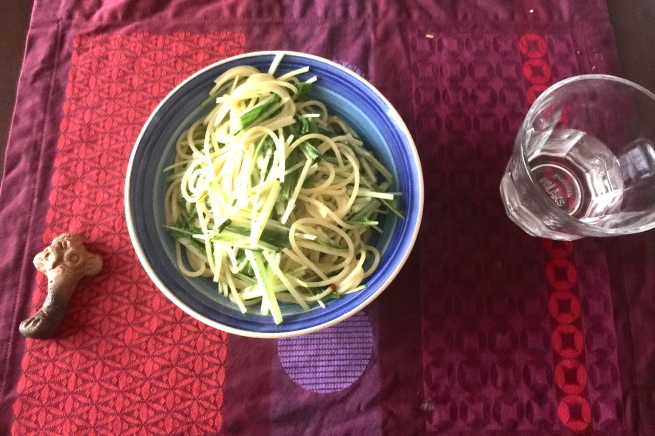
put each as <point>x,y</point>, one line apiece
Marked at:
<point>136,244</point>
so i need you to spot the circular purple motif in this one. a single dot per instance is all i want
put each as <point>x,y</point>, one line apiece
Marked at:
<point>331,359</point>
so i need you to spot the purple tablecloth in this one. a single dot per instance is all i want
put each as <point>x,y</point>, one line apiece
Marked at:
<point>485,331</point>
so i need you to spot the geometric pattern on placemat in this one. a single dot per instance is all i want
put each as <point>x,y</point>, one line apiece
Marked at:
<point>605,408</point>
<point>487,359</point>
<point>605,393</point>
<point>567,340</point>
<point>583,340</point>
<point>127,361</point>
<point>573,408</point>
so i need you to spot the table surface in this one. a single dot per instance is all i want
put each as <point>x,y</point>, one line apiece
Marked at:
<point>635,37</point>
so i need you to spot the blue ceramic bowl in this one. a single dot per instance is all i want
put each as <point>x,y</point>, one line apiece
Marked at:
<point>345,94</point>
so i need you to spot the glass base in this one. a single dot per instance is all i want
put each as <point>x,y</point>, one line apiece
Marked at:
<point>525,218</point>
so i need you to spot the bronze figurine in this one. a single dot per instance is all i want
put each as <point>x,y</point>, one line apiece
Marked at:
<point>64,262</point>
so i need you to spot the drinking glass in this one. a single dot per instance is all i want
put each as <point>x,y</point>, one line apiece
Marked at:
<point>584,161</point>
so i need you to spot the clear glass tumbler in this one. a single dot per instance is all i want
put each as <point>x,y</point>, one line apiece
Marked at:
<point>584,161</point>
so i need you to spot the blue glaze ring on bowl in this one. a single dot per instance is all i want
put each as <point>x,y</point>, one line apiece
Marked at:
<point>345,94</point>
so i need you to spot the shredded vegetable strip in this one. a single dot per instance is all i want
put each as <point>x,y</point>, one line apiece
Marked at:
<point>273,198</point>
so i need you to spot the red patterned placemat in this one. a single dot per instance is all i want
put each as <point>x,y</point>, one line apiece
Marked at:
<point>128,361</point>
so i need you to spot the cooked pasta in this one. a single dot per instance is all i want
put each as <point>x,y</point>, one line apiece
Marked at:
<point>274,198</point>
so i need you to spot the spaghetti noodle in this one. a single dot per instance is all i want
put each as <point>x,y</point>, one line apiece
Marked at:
<point>274,198</point>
